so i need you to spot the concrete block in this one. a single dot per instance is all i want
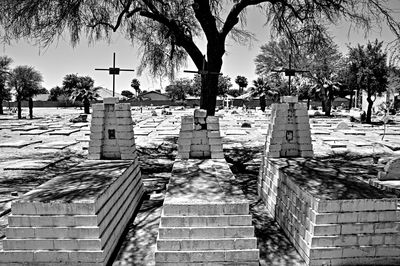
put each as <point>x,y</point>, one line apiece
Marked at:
<point>212,126</point>
<point>97,107</point>
<point>289,99</point>
<point>186,127</point>
<point>358,251</point>
<point>212,120</point>
<point>357,228</point>
<point>217,155</point>
<point>213,134</point>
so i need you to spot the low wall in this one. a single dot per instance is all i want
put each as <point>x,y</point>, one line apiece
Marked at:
<point>76,218</point>
<point>331,218</point>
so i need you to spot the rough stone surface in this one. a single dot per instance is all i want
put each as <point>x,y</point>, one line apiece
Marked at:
<point>391,170</point>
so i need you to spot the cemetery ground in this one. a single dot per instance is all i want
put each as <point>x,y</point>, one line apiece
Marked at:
<point>35,151</point>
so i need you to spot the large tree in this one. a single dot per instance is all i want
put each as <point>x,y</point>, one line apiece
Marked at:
<point>168,30</point>
<point>5,94</point>
<point>179,89</point>
<point>368,66</point>
<point>26,81</point>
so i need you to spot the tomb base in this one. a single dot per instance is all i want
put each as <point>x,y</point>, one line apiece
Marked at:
<point>331,218</point>
<point>205,219</point>
<point>76,218</point>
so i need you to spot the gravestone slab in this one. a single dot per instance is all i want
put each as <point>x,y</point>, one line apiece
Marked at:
<point>149,125</point>
<point>169,133</point>
<point>25,128</point>
<point>37,132</point>
<point>235,132</point>
<point>29,164</point>
<point>64,132</point>
<point>320,132</point>
<point>354,132</point>
<point>19,143</point>
<point>79,125</point>
<point>334,145</point>
<point>360,143</point>
<point>58,145</point>
<point>142,131</point>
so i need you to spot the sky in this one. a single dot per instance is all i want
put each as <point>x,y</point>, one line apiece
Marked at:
<point>60,58</point>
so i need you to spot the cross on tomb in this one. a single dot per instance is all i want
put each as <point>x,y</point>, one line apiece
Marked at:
<point>203,70</point>
<point>290,72</point>
<point>114,71</point>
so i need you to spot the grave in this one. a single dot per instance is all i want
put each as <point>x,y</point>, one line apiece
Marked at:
<point>19,143</point>
<point>36,132</point>
<point>58,145</point>
<point>111,129</point>
<point>64,132</point>
<point>235,132</point>
<point>76,218</point>
<point>24,128</point>
<point>391,170</point>
<point>205,218</point>
<point>329,215</point>
<point>30,164</point>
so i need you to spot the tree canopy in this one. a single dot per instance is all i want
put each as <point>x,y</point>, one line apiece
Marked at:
<point>167,31</point>
<point>368,67</point>
<point>5,93</point>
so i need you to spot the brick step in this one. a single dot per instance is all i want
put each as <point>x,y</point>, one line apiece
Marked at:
<point>353,240</point>
<point>214,263</point>
<point>51,220</point>
<point>206,209</point>
<point>50,257</point>
<point>224,256</point>
<point>52,232</point>
<point>205,232</point>
<point>51,244</point>
<point>210,221</point>
<point>206,244</point>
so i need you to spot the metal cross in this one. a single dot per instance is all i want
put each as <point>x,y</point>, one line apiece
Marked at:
<point>290,72</point>
<point>203,71</point>
<point>114,71</point>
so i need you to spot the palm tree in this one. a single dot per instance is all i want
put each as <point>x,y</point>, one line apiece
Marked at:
<point>135,84</point>
<point>5,94</point>
<point>261,89</point>
<point>85,92</point>
<point>26,82</point>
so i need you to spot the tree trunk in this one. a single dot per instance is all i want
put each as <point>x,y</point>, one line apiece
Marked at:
<point>209,82</point>
<point>351,100</point>
<point>86,106</point>
<point>369,109</point>
<point>262,103</point>
<point>1,102</point>
<point>19,109</point>
<point>308,103</point>
<point>30,101</point>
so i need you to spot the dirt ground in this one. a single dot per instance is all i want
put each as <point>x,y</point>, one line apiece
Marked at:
<point>157,154</point>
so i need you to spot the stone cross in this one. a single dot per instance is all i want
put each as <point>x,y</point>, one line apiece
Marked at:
<point>114,71</point>
<point>290,72</point>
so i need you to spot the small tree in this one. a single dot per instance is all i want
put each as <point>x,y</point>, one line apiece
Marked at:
<point>26,82</point>
<point>368,66</point>
<point>179,89</point>
<point>135,84</point>
<point>242,83</point>
<point>127,94</point>
<point>5,93</point>
<point>81,89</point>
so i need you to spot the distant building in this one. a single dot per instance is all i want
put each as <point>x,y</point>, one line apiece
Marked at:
<point>106,93</point>
<point>154,96</point>
<point>41,97</point>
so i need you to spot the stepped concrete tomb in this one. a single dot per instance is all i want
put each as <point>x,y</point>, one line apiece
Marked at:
<point>77,218</point>
<point>330,216</point>
<point>205,218</point>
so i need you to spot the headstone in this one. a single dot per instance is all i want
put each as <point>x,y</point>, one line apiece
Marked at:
<point>342,125</point>
<point>200,137</point>
<point>111,129</point>
<point>64,132</point>
<point>391,170</point>
<point>289,134</point>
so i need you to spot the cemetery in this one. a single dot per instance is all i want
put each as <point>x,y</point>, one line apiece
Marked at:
<point>179,167</point>
<point>84,198</point>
